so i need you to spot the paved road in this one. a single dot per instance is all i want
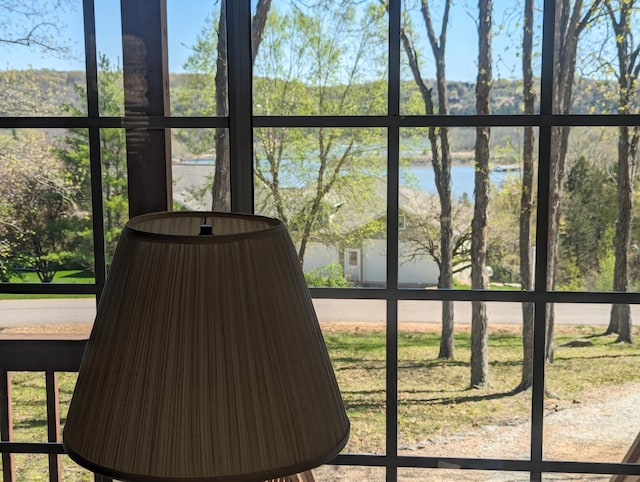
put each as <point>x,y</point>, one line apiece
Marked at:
<point>82,310</point>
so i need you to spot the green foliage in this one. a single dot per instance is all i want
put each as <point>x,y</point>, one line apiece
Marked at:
<point>603,279</point>
<point>503,240</point>
<point>196,93</point>
<point>45,187</point>
<point>40,213</point>
<point>38,92</point>
<point>6,266</point>
<point>74,155</point>
<point>305,68</point>
<point>588,227</point>
<point>330,275</point>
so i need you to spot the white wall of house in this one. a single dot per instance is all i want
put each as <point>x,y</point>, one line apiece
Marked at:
<point>374,261</point>
<point>421,271</point>
<point>318,254</point>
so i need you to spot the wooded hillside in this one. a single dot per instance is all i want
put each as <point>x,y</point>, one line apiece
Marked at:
<point>47,92</point>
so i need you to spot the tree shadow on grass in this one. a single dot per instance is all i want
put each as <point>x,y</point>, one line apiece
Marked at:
<point>457,399</point>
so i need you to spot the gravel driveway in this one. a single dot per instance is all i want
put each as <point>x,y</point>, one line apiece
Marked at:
<point>598,428</point>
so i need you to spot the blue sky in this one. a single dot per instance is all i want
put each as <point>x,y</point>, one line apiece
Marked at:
<point>186,18</point>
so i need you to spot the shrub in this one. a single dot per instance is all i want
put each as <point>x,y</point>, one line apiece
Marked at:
<point>329,275</point>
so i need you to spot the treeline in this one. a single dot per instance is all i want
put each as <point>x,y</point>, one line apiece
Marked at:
<point>49,92</point>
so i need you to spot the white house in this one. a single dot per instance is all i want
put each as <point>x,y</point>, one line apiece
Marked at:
<point>365,261</point>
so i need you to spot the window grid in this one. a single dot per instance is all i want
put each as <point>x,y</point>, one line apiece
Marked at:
<point>241,123</point>
<point>93,111</point>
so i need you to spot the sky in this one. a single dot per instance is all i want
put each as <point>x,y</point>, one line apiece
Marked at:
<point>186,18</point>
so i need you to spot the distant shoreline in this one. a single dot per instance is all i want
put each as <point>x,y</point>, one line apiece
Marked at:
<point>459,159</point>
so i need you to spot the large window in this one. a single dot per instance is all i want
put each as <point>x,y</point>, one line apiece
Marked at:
<point>459,181</point>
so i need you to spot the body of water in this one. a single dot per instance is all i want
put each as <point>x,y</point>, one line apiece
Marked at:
<point>418,177</point>
<point>462,178</point>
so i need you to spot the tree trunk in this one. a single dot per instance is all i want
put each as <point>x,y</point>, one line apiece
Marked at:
<point>479,280</point>
<point>526,200</point>
<point>621,313</point>
<point>442,175</point>
<point>620,320</point>
<point>221,191</point>
<point>440,160</point>
<point>569,25</point>
<point>221,178</point>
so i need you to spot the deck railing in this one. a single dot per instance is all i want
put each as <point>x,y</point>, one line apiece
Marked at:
<point>49,354</point>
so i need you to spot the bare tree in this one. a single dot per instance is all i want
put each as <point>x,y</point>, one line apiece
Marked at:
<point>526,198</point>
<point>479,279</point>
<point>325,162</point>
<point>440,158</point>
<point>570,23</point>
<point>33,23</point>
<point>628,69</point>
<point>424,237</point>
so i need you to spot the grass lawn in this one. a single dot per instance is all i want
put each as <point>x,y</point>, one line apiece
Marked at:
<point>434,398</point>
<point>433,395</point>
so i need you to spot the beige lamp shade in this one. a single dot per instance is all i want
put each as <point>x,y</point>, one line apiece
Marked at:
<point>206,360</point>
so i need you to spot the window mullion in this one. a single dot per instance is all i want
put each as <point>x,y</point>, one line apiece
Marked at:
<point>542,235</point>
<point>240,72</point>
<point>95,160</point>
<point>393,181</point>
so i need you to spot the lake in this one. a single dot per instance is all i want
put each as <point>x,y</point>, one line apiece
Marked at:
<point>420,177</point>
<point>462,178</point>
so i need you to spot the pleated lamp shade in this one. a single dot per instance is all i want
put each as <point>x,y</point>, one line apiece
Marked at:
<point>206,360</point>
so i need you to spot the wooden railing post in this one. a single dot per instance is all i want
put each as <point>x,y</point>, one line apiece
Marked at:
<point>6,426</point>
<point>53,424</point>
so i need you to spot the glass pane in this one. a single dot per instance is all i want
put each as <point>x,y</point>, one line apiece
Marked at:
<point>452,475</point>
<point>45,205</point>
<point>73,472</point>
<point>357,351</point>
<point>108,30</point>
<point>437,415</point>
<point>597,238</point>
<point>29,406</point>
<point>109,51</point>
<point>193,166</point>
<point>31,466</point>
<point>605,77</point>
<point>193,58</point>
<point>329,187</point>
<point>422,83</point>
<point>548,477</point>
<point>501,315</point>
<point>38,313</point>
<point>423,199</point>
<point>592,386</point>
<point>43,57</point>
<point>345,473</point>
<point>110,87</point>
<point>325,58</point>
<point>114,186</point>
